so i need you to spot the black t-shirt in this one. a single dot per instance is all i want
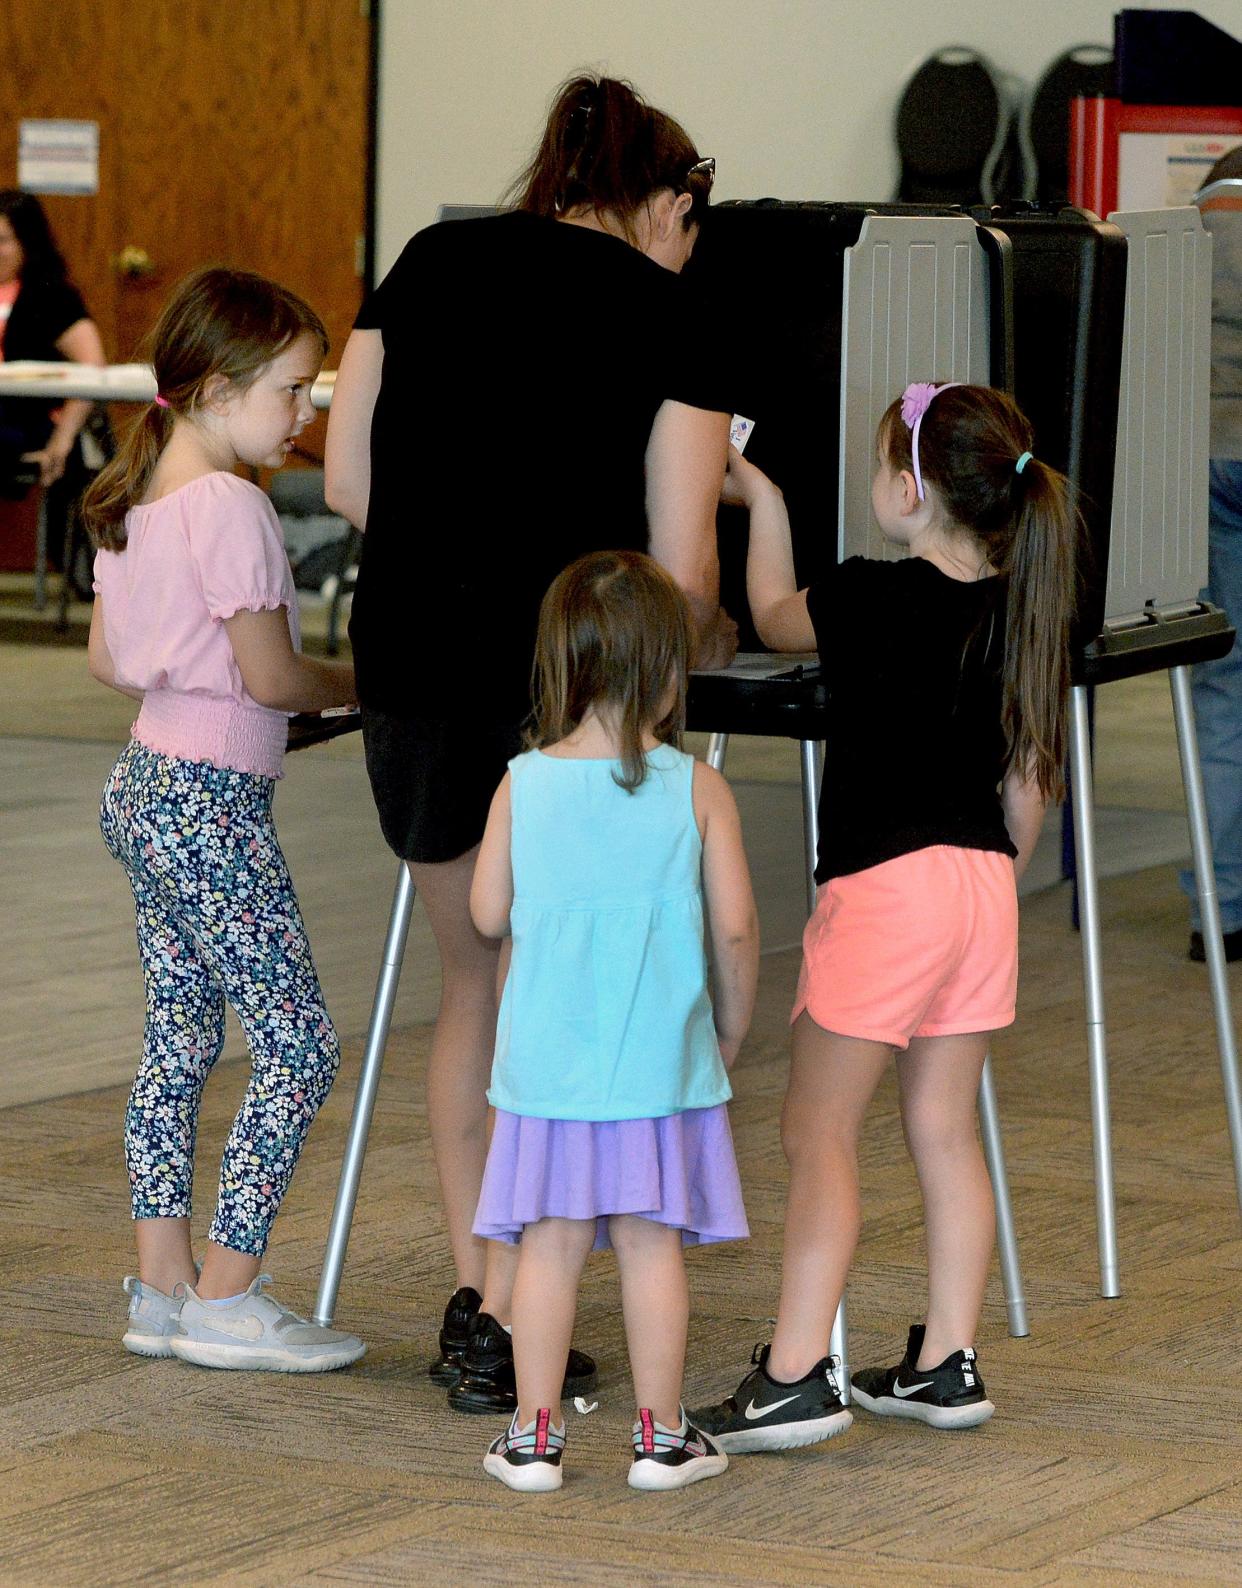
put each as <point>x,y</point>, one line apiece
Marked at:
<point>42,312</point>
<point>524,362</point>
<point>914,744</point>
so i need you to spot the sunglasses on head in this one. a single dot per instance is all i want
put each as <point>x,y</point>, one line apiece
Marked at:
<point>703,168</point>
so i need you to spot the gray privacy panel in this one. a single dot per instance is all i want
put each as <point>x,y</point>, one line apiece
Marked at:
<point>915,307</point>
<point>1158,543</point>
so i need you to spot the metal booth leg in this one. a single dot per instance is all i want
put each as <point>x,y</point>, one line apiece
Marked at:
<point>1006,1238</point>
<point>364,1098</point>
<point>811,752</point>
<point>717,744</point>
<point>1209,907</point>
<point>1093,987</point>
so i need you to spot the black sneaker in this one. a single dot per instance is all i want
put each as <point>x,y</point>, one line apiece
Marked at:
<point>1231,940</point>
<point>528,1459</point>
<point>454,1335</point>
<point>765,1414</point>
<point>488,1383</point>
<point>670,1458</point>
<point>949,1396</point>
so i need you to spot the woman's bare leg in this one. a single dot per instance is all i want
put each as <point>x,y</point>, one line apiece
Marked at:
<point>831,1081</point>
<point>939,1083</point>
<point>458,1071</point>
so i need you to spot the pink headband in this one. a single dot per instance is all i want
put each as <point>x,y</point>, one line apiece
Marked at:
<point>915,401</point>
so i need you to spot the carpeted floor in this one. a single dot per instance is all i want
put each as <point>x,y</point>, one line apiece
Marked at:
<point>1114,1457</point>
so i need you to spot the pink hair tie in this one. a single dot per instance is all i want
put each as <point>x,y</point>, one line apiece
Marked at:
<point>915,401</point>
<point>160,402</point>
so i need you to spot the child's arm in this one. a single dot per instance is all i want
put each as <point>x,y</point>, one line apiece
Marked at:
<point>776,604</point>
<point>1024,807</point>
<point>99,658</point>
<point>733,924</point>
<point>279,677</point>
<point>491,892</point>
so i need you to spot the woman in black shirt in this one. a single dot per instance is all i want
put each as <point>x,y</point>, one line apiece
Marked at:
<point>519,390</point>
<point>42,316</point>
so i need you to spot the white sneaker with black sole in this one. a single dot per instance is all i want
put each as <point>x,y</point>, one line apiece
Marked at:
<point>670,1458</point>
<point>528,1459</point>
<point>950,1395</point>
<point>257,1333</point>
<point>765,1413</point>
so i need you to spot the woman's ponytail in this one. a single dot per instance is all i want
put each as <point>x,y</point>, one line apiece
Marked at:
<point>123,481</point>
<point>1041,571</point>
<point>605,149</point>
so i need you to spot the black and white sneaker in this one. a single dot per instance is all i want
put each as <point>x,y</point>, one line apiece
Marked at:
<point>460,1313</point>
<point>670,1458</point>
<point>528,1459</point>
<point>948,1396</point>
<point>765,1414</point>
<point>487,1382</point>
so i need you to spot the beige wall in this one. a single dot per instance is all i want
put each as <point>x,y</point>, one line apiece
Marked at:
<point>795,98</point>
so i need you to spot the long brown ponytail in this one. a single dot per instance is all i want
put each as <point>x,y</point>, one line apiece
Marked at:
<point>971,441</point>
<point>605,149</point>
<point>217,322</point>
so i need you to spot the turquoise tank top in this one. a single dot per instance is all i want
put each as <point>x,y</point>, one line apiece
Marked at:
<point>606,1013</point>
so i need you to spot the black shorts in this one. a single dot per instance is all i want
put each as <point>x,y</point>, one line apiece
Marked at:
<point>433,782</point>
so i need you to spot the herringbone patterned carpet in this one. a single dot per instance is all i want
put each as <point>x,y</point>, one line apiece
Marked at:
<point>1114,1457</point>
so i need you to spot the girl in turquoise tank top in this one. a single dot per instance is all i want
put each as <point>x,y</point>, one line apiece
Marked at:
<point>605,849</point>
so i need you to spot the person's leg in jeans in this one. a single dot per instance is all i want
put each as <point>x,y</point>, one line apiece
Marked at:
<point>1217,692</point>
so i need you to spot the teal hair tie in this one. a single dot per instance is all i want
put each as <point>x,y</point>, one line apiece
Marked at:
<point>1022,462</point>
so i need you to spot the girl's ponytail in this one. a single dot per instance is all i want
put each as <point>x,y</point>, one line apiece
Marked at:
<point>123,481</point>
<point>1041,574</point>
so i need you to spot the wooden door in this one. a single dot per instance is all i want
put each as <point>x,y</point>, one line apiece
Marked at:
<point>231,132</point>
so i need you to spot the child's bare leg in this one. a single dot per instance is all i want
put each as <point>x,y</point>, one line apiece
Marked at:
<point>226,1273</point>
<point>655,1299</point>
<point>164,1255</point>
<point>939,1082</point>
<point>545,1298</point>
<point>831,1081</point>
<point>459,1064</point>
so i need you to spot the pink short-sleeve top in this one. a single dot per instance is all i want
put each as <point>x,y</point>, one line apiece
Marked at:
<point>192,559</point>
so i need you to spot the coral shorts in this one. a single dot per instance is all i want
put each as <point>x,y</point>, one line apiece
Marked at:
<point>922,946</point>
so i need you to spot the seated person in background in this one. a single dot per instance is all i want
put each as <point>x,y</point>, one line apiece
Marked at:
<point>42,316</point>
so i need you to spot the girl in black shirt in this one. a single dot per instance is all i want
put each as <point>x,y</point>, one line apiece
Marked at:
<point>948,677</point>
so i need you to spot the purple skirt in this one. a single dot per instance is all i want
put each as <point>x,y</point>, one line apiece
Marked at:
<point>678,1170</point>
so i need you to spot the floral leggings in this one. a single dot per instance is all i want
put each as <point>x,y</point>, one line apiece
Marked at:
<point>217,921</point>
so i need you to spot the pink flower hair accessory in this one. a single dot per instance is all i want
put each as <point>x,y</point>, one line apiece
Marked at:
<point>915,401</point>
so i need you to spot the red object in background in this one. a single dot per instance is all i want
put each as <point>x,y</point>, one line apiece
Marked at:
<point>18,530</point>
<point>1096,128</point>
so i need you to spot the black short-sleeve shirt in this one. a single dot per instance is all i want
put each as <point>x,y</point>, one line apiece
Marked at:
<point>915,749</point>
<point>524,362</point>
<point>42,312</point>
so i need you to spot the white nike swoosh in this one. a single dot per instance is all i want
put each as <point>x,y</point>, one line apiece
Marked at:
<point>247,1327</point>
<point>753,1411</point>
<point>902,1390</point>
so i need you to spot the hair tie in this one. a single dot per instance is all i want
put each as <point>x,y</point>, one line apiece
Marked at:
<point>161,401</point>
<point>915,401</point>
<point>1022,462</point>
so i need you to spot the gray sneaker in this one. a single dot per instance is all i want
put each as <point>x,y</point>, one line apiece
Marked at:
<point>258,1333</point>
<point>152,1318</point>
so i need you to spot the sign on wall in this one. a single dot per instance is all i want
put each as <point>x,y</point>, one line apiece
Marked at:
<point>58,157</point>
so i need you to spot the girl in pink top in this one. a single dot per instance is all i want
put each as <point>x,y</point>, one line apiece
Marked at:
<point>196,617</point>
